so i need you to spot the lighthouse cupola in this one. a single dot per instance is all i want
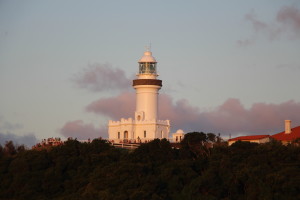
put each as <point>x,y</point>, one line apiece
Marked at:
<point>147,66</point>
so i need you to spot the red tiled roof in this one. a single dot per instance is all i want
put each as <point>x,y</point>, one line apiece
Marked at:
<point>288,137</point>
<point>249,137</point>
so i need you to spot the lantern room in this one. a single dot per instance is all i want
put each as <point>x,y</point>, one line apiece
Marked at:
<point>147,64</point>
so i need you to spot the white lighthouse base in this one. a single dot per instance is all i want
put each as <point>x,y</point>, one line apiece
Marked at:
<point>137,131</point>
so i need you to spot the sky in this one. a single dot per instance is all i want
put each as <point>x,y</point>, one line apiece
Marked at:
<point>227,67</point>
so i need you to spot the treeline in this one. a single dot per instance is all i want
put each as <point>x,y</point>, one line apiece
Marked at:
<point>155,170</point>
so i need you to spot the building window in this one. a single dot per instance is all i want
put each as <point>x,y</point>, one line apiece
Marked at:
<point>118,135</point>
<point>125,134</point>
<point>162,134</point>
<point>145,134</point>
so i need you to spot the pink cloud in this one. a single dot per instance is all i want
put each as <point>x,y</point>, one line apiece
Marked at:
<point>77,129</point>
<point>233,117</point>
<point>257,24</point>
<point>286,23</point>
<point>289,18</point>
<point>114,107</point>
<point>230,117</point>
<point>181,113</point>
<point>102,77</point>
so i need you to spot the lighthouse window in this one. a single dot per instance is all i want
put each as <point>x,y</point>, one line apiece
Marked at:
<point>152,67</point>
<point>145,134</point>
<point>147,68</point>
<point>142,68</point>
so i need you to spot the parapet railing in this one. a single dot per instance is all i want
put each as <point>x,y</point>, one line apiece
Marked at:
<point>125,145</point>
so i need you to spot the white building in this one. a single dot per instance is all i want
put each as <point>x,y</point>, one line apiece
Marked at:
<point>145,126</point>
<point>178,136</point>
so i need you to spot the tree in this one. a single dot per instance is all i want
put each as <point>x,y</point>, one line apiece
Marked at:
<point>196,144</point>
<point>9,148</point>
<point>21,148</point>
<point>211,137</point>
<point>154,151</point>
<point>153,171</point>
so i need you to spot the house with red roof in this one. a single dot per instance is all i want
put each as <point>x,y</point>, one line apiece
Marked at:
<point>285,137</point>
<point>250,138</point>
<point>288,135</point>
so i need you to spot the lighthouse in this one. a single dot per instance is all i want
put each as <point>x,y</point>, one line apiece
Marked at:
<point>145,126</point>
<point>147,87</point>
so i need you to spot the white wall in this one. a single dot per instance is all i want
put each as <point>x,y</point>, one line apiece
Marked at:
<point>136,130</point>
<point>147,100</point>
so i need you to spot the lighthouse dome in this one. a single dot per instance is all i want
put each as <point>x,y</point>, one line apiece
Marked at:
<point>147,57</point>
<point>180,131</point>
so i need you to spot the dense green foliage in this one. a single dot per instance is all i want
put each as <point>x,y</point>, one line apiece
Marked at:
<point>155,170</point>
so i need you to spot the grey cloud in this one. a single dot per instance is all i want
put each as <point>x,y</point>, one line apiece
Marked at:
<point>78,129</point>
<point>10,127</point>
<point>286,24</point>
<point>245,42</point>
<point>28,140</point>
<point>101,77</point>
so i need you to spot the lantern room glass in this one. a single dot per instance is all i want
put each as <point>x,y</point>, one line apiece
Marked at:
<point>147,68</point>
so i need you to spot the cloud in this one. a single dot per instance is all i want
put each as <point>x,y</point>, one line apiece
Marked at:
<point>9,126</point>
<point>7,130</point>
<point>286,24</point>
<point>256,24</point>
<point>181,113</point>
<point>233,117</point>
<point>230,117</point>
<point>245,42</point>
<point>101,77</point>
<point>28,140</point>
<point>289,18</point>
<point>114,107</point>
<point>77,129</point>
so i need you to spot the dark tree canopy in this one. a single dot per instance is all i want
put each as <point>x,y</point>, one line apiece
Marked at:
<point>155,170</point>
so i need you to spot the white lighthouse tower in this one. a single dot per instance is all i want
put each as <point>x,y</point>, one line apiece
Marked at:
<point>147,87</point>
<point>145,126</point>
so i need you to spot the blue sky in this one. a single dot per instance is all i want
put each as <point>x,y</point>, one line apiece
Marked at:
<point>208,53</point>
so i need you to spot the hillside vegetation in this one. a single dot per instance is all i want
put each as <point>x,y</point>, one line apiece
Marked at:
<point>155,170</point>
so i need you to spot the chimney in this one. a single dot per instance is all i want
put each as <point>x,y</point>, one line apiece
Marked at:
<point>287,126</point>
